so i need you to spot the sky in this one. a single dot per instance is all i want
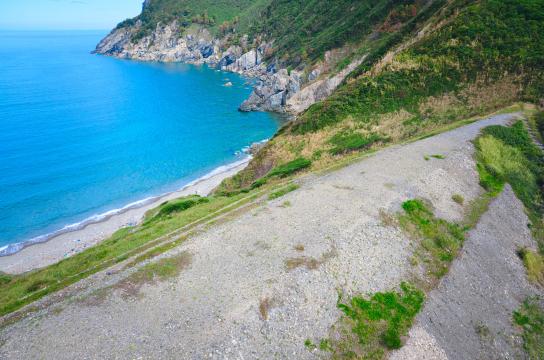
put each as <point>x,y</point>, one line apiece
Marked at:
<point>66,14</point>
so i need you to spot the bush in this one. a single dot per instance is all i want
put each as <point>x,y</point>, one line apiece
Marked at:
<point>385,317</point>
<point>179,205</point>
<point>508,155</point>
<point>539,119</point>
<point>290,168</point>
<point>349,141</point>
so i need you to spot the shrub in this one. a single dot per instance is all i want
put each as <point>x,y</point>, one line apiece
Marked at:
<point>530,317</point>
<point>179,205</point>
<point>440,240</point>
<point>385,317</point>
<point>539,119</point>
<point>349,141</point>
<point>283,191</point>
<point>508,164</point>
<point>534,264</point>
<point>290,167</point>
<point>458,199</point>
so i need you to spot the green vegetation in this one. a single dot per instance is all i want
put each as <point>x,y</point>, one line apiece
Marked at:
<point>224,14</point>
<point>344,142</point>
<point>171,207</point>
<point>481,42</point>
<point>283,191</point>
<point>508,155</point>
<point>375,324</point>
<point>440,240</point>
<point>458,199</point>
<point>19,290</point>
<point>290,168</point>
<point>534,263</point>
<point>530,317</point>
<point>539,120</point>
<point>309,344</point>
<point>304,30</point>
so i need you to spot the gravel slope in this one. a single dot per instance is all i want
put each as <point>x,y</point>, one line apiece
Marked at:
<point>469,315</point>
<point>237,298</point>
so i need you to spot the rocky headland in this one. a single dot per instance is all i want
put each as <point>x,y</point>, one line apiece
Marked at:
<point>276,90</point>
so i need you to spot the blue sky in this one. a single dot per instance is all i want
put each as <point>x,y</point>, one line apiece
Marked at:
<point>66,14</point>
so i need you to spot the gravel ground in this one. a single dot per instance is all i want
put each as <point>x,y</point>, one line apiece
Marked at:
<point>238,298</point>
<point>469,315</point>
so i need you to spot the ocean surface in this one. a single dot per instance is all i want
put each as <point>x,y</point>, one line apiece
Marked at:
<point>81,134</point>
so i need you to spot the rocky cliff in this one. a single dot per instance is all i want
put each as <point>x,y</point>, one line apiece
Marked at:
<point>276,90</point>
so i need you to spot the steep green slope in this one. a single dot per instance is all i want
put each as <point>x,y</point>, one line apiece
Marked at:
<point>452,61</point>
<point>303,30</point>
<point>207,13</point>
<point>485,42</point>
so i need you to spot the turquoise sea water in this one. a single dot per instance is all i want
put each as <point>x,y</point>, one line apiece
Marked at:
<point>82,134</point>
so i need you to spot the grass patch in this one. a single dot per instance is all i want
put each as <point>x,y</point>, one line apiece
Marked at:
<point>539,122</point>
<point>438,156</point>
<point>375,324</point>
<point>534,263</point>
<point>348,141</point>
<point>440,240</point>
<point>530,317</point>
<point>283,191</point>
<point>458,199</point>
<point>290,168</point>
<point>174,206</point>
<point>508,155</point>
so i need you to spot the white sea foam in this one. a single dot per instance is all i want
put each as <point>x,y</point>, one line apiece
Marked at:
<point>11,249</point>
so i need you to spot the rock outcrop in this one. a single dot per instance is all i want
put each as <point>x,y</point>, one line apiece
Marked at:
<point>277,91</point>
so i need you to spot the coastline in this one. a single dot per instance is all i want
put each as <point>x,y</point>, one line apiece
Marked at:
<point>75,238</point>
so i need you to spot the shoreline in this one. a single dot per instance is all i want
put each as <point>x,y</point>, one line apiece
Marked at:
<point>72,239</point>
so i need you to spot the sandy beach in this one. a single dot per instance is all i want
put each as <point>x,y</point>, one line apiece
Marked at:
<point>70,243</point>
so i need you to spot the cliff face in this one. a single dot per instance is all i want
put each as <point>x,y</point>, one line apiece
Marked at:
<point>277,90</point>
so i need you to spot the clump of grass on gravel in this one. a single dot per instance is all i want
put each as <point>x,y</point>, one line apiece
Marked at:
<point>530,316</point>
<point>508,155</point>
<point>290,168</point>
<point>440,240</point>
<point>534,263</point>
<point>345,142</point>
<point>283,191</point>
<point>174,206</point>
<point>375,324</point>
<point>458,199</point>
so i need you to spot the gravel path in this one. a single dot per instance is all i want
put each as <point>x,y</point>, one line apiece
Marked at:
<point>469,316</point>
<point>257,286</point>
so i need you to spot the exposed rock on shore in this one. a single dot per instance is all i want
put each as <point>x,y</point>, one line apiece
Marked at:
<point>277,91</point>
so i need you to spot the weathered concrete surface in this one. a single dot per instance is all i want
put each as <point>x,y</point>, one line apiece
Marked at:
<point>237,299</point>
<point>469,315</point>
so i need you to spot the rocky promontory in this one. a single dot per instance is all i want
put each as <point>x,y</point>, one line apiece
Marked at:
<point>276,90</point>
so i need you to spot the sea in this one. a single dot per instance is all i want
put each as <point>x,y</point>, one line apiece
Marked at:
<point>83,136</point>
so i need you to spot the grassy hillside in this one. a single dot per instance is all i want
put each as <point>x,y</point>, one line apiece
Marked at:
<point>453,60</point>
<point>212,14</point>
